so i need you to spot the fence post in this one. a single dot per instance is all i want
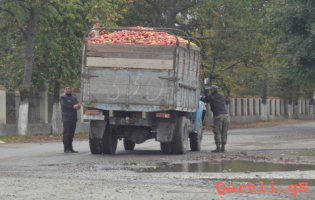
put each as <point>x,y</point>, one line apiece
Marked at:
<point>282,107</point>
<point>239,107</point>
<point>245,105</point>
<point>271,109</point>
<point>43,106</point>
<point>17,99</point>
<point>277,102</point>
<point>256,108</point>
<point>232,107</point>
<point>251,105</point>
<point>3,107</point>
<point>297,108</point>
<point>288,108</point>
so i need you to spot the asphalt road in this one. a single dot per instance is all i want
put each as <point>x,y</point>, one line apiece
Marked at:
<point>295,136</point>
<point>43,171</point>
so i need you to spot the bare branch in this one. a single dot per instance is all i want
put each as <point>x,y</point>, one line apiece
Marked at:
<point>231,66</point>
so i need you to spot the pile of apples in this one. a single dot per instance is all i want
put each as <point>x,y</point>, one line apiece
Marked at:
<point>137,37</point>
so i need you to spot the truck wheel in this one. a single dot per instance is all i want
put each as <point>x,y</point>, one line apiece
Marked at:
<point>180,140</point>
<point>129,145</point>
<point>167,148</point>
<point>95,146</point>
<point>109,142</point>
<point>195,140</point>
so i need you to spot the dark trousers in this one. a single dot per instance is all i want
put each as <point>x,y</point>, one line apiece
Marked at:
<point>68,134</point>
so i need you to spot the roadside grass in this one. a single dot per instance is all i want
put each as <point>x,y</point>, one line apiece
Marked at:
<point>264,123</point>
<point>40,138</point>
<point>307,154</point>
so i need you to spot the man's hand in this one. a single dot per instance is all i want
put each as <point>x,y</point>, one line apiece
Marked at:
<point>77,106</point>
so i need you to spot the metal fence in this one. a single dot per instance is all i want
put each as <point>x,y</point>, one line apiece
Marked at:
<point>33,111</point>
<point>11,109</point>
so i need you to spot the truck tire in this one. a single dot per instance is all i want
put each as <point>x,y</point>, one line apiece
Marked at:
<point>95,146</point>
<point>167,148</point>
<point>109,142</point>
<point>129,145</point>
<point>180,140</point>
<point>195,140</point>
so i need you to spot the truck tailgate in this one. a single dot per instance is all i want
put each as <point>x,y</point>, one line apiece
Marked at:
<point>130,87</point>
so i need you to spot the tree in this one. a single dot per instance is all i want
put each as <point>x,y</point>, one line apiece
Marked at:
<point>227,43</point>
<point>238,45</point>
<point>295,44</point>
<point>28,9</point>
<point>159,13</point>
<point>58,41</point>
<point>296,22</point>
<point>60,45</point>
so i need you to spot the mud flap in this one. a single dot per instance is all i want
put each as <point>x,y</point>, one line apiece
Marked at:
<point>97,129</point>
<point>165,131</point>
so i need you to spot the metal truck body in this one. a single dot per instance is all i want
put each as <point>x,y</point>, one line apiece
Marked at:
<point>137,92</point>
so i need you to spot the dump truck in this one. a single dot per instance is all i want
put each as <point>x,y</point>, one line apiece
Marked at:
<point>136,92</point>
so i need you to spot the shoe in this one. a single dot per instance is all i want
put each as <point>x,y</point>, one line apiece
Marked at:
<point>217,150</point>
<point>223,148</point>
<point>73,151</point>
<point>67,151</point>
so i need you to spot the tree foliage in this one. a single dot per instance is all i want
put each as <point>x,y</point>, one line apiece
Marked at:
<point>160,13</point>
<point>61,26</point>
<point>296,40</point>
<point>246,43</point>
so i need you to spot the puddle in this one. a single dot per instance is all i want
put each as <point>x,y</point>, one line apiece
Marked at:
<point>267,182</point>
<point>227,166</point>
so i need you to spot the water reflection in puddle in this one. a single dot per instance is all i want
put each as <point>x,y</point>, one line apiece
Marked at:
<point>227,166</point>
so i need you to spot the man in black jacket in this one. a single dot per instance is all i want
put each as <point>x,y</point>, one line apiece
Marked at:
<point>69,107</point>
<point>220,117</point>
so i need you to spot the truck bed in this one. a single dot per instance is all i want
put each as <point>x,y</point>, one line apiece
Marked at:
<point>137,77</point>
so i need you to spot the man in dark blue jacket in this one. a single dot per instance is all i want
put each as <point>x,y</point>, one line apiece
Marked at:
<point>69,107</point>
<point>220,117</point>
